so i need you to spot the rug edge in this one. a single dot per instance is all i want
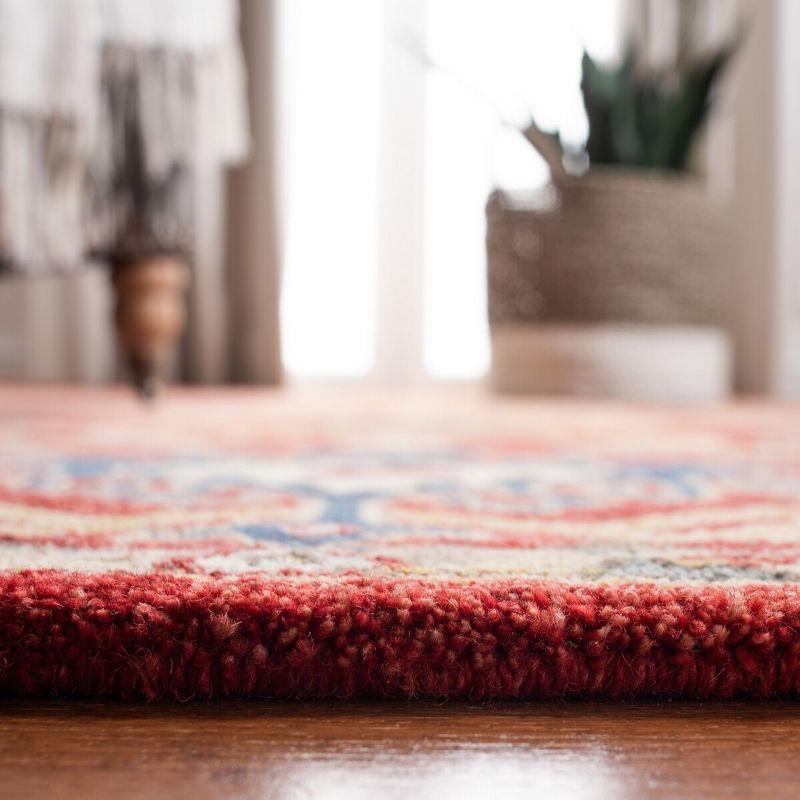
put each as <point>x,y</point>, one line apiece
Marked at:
<point>160,636</point>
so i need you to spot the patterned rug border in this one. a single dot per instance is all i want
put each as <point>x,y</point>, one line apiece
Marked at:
<point>159,636</point>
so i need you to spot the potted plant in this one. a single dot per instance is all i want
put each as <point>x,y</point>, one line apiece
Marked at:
<point>611,280</point>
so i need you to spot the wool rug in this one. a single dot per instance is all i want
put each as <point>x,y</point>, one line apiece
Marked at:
<point>268,544</point>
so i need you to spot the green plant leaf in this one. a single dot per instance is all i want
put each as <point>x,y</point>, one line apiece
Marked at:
<point>651,119</point>
<point>686,108</point>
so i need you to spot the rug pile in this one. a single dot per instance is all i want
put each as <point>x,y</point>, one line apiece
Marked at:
<point>255,544</point>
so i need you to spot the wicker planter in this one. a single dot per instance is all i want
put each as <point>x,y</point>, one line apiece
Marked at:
<point>614,274</point>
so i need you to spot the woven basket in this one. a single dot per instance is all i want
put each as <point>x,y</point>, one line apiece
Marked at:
<point>614,250</point>
<point>610,246</point>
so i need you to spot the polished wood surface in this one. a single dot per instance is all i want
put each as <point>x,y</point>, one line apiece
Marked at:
<point>399,750</point>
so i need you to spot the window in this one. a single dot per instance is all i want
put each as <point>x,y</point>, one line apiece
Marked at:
<point>332,58</point>
<point>349,88</point>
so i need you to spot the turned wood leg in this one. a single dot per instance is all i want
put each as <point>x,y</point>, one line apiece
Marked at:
<point>150,315</point>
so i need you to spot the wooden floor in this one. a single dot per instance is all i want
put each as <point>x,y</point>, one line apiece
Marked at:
<point>395,750</point>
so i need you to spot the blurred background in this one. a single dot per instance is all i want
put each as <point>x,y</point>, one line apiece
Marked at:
<point>592,197</point>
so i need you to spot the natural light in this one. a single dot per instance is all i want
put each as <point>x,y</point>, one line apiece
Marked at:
<point>491,62</point>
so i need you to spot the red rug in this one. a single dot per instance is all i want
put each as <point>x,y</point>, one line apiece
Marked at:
<point>256,544</point>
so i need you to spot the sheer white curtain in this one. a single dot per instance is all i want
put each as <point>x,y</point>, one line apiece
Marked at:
<point>394,139</point>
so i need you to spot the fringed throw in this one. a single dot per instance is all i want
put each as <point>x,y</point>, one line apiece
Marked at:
<point>107,108</point>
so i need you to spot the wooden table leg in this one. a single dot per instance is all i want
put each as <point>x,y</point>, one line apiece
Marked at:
<point>150,315</point>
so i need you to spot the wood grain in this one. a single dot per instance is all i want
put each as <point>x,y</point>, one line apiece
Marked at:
<point>399,750</point>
